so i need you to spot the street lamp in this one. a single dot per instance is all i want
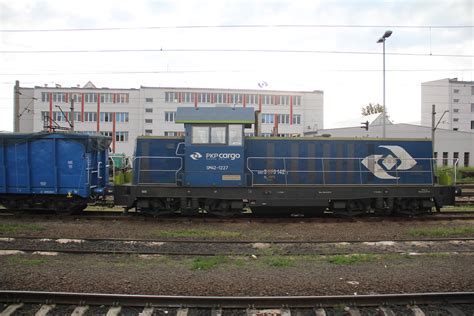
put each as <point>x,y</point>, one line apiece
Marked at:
<point>382,40</point>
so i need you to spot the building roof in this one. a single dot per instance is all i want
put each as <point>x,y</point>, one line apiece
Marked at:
<point>256,91</point>
<point>215,115</point>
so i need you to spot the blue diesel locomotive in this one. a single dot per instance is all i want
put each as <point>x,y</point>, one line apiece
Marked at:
<point>215,169</point>
<point>52,171</point>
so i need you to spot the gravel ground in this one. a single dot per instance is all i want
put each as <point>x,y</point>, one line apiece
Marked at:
<point>235,276</point>
<point>263,275</point>
<point>358,230</point>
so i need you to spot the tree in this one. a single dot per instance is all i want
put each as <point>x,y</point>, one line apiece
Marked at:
<point>372,109</point>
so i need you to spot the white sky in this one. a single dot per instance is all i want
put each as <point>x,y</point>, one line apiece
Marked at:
<point>349,81</point>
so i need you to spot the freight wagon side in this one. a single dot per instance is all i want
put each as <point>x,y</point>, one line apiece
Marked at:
<point>52,171</point>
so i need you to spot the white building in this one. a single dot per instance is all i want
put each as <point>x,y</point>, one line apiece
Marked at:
<point>449,145</point>
<point>125,114</point>
<point>453,98</point>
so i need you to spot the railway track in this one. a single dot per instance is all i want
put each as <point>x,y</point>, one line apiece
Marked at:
<point>324,218</point>
<point>59,303</point>
<point>55,246</point>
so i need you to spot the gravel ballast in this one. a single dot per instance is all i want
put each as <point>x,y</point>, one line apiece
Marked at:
<point>267,273</point>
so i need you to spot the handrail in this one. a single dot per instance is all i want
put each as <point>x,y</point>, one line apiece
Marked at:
<point>139,168</point>
<point>323,166</point>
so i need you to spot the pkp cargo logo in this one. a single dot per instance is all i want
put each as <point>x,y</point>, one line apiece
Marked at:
<point>375,162</point>
<point>195,156</point>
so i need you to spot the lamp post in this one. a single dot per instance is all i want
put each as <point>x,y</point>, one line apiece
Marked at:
<point>382,40</point>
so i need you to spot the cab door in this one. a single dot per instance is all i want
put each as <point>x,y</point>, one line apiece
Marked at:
<point>214,155</point>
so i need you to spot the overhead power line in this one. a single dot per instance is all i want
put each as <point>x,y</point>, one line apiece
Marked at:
<point>125,72</point>
<point>196,50</point>
<point>234,26</point>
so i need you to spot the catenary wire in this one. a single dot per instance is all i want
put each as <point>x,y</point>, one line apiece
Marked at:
<point>195,50</point>
<point>234,26</point>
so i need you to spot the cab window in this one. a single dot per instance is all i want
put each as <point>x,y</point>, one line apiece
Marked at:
<point>235,135</point>
<point>200,135</point>
<point>218,135</point>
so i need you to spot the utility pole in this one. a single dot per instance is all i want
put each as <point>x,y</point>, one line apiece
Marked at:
<point>72,114</point>
<point>16,107</point>
<point>434,125</point>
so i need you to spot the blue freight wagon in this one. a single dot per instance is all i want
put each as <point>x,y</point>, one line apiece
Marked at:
<point>215,169</point>
<point>52,171</point>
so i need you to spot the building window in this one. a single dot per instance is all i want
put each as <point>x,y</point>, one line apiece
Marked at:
<point>472,107</point>
<point>455,128</point>
<point>204,98</point>
<point>472,124</point>
<point>456,100</point>
<point>90,97</point>
<point>220,98</point>
<point>188,97</point>
<point>455,158</point>
<point>106,116</point>
<point>170,116</point>
<point>108,134</point>
<point>455,119</point>
<point>45,96</point>
<point>296,119</point>
<point>456,91</point>
<point>148,100</point>
<point>59,97</point>
<point>148,121</point>
<point>455,110</point>
<point>122,98</point>
<point>171,97</point>
<point>466,159</point>
<point>148,132</point>
<point>149,110</point>
<point>251,99</point>
<point>121,117</point>
<point>472,90</point>
<point>90,117</point>
<point>106,98</point>
<point>44,116</point>
<point>77,97</point>
<point>296,100</point>
<point>435,155</point>
<point>284,100</point>
<point>445,158</point>
<point>59,117</point>
<point>267,99</point>
<point>237,98</point>
<point>283,118</point>
<point>121,136</point>
<point>268,118</point>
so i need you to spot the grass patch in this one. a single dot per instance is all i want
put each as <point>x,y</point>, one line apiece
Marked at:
<point>207,263</point>
<point>15,228</point>
<point>195,233</point>
<point>279,261</point>
<point>441,231</point>
<point>21,260</point>
<point>351,259</point>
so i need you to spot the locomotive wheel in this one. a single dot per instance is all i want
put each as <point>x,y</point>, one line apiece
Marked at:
<point>413,207</point>
<point>353,208</point>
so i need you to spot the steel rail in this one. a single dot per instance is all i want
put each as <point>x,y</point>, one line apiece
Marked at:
<point>227,254</point>
<point>208,241</point>
<point>31,297</point>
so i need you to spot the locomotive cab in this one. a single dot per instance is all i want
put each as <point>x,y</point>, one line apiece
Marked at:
<point>214,145</point>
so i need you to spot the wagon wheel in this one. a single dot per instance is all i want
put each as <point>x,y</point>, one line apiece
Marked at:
<point>412,207</point>
<point>353,208</point>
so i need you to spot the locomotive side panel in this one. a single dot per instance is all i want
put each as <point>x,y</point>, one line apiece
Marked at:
<point>338,162</point>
